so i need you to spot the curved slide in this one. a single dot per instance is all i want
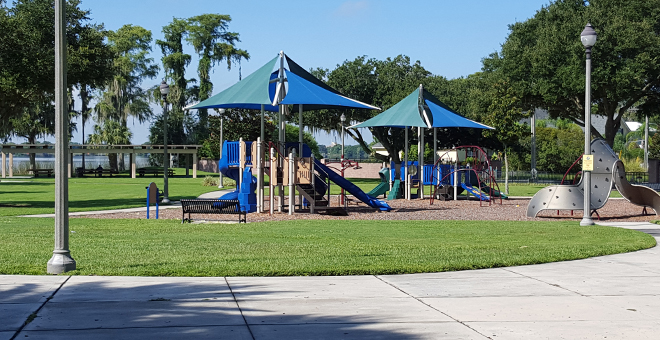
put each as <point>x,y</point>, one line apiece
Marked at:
<point>246,194</point>
<point>635,194</point>
<point>352,188</point>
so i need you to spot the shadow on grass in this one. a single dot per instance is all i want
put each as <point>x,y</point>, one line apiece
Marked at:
<point>205,308</point>
<point>97,204</point>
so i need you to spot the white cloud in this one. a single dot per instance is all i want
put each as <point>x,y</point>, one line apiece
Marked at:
<point>352,8</point>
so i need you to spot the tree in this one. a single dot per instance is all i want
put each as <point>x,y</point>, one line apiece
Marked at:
<point>545,61</point>
<point>504,115</point>
<point>110,132</point>
<point>37,121</point>
<point>27,55</point>
<point>123,97</point>
<point>208,35</point>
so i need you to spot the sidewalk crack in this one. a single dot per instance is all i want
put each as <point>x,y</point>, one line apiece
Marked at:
<point>34,314</point>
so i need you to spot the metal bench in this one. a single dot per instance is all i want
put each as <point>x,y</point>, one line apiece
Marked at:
<point>212,206</point>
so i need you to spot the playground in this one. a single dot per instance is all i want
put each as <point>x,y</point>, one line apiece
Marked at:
<point>513,209</point>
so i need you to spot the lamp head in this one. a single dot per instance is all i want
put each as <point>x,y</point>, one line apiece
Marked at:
<point>221,111</point>
<point>342,118</point>
<point>588,36</point>
<point>164,89</point>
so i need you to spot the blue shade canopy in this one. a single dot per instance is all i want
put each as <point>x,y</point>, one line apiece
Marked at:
<point>249,93</point>
<point>302,88</point>
<point>402,114</point>
<point>443,116</point>
<point>314,97</point>
<point>408,113</point>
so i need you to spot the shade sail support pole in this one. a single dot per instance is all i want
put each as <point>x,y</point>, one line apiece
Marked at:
<point>300,142</point>
<point>263,113</point>
<point>405,160</point>
<point>420,153</point>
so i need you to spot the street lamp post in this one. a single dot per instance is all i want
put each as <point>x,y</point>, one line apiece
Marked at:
<point>222,140</point>
<point>588,38</point>
<point>164,91</point>
<point>61,261</point>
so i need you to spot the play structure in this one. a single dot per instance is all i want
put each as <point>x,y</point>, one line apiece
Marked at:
<point>608,170</point>
<point>474,177</point>
<point>307,176</point>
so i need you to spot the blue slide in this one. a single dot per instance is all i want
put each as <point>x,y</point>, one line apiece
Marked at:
<point>476,192</point>
<point>246,194</point>
<point>352,188</point>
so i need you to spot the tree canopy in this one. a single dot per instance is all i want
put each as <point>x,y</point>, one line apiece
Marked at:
<point>544,59</point>
<point>27,54</point>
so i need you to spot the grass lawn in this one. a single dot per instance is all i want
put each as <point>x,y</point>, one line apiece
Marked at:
<point>37,195</point>
<point>168,248</point>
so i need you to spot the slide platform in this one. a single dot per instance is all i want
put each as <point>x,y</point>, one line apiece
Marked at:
<point>352,188</point>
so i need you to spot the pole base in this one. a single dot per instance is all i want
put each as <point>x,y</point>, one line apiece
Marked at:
<point>586,221</point>
<point>61,262</point>
<point>165,200</point>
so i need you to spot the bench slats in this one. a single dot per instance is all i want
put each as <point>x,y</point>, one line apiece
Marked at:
<point>212,206</point>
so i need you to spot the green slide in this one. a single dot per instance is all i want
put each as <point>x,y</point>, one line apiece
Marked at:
<point>383,187</point>
<point>396,190</point>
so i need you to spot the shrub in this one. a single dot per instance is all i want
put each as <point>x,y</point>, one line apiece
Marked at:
<point>210,181</point>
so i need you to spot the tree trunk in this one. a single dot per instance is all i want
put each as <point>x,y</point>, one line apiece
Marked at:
<point>112,158</point>
<point>33,156</point>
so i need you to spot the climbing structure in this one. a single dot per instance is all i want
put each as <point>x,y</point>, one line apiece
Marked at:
<point>476,176</point>
<point>571,197</point>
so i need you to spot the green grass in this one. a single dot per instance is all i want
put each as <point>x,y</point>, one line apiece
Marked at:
<point>37,196</point>
<point>309,247</point>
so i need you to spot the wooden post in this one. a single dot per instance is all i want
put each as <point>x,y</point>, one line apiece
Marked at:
<point>70,158</point>
<point>194,165</point>
<point>4,165</point>
<point>272,180</point>
<point>312,203</point>
<point>258,159</point>
<point>188,159</point>
<point>132,158</point>
<point>292,180</point>
<point>11,165</point>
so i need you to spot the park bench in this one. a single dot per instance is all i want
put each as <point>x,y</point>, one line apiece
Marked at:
<point>36,172</point>
<point>212,206</point>
<point>154,171</point>
<point>80,172</point>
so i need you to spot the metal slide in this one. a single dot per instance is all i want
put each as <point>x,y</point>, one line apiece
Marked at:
<point>571,197</point>
<point>635,194</point>
<point>352,188</point>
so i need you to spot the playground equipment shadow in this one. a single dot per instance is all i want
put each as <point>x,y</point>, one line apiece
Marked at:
<point>612,296</point>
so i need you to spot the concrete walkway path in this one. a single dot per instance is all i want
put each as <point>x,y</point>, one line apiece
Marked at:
<point>608,297</point>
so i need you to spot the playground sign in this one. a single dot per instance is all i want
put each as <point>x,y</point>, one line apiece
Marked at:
<point>588,163</point>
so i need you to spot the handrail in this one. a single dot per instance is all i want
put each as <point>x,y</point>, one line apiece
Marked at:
<point>569,170</point>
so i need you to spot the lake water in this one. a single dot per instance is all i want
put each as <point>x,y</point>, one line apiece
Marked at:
<point>42,162</point>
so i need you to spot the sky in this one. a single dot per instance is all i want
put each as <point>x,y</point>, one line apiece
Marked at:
<point>448,37</point>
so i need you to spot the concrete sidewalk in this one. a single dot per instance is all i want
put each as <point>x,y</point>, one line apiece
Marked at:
<point>613,297</point>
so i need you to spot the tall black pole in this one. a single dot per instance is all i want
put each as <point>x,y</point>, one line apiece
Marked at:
<point>61,261</point>
<point>166,158</point>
